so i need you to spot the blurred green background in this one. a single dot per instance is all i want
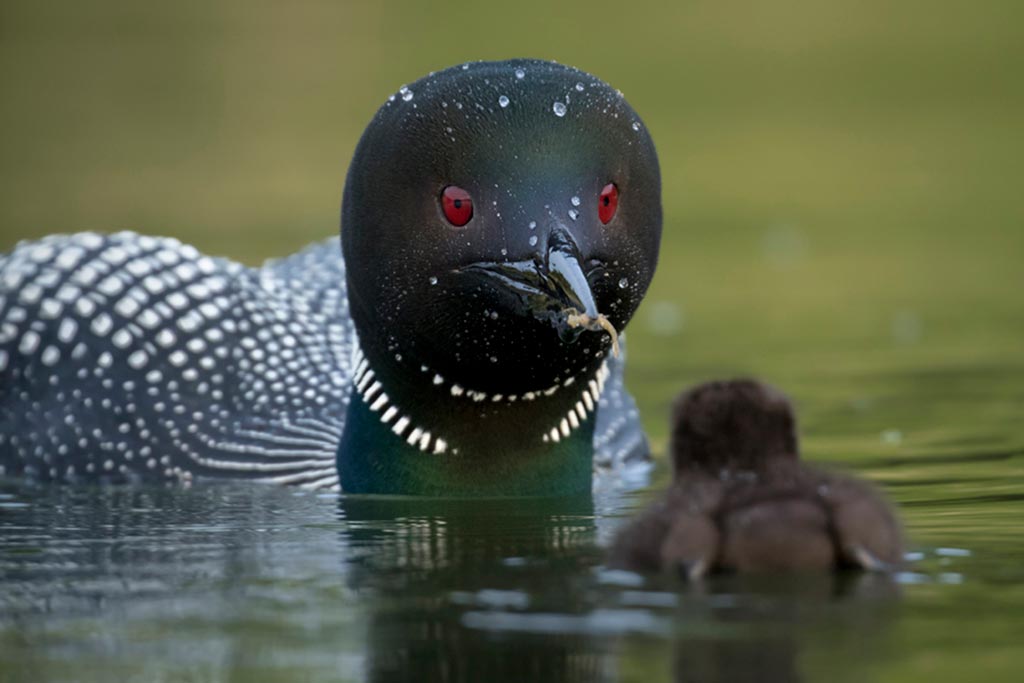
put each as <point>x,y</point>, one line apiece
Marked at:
<point>842,180</point>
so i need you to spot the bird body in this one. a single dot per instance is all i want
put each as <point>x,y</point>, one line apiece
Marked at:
<point>459,342</point>
<point>741,500</point>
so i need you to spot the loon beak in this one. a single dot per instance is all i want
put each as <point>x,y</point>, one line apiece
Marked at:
<point>566,275</point>
<point>553,287</point>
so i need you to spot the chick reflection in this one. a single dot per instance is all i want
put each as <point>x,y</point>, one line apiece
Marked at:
<point>736,661</point>
<point>425,562</point>
<point>742,629</point>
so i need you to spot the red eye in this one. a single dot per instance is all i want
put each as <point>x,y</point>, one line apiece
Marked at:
<point>457,205</point>
<point>607,203</point>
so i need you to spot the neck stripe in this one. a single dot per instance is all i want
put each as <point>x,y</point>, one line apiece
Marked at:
<point>576,415</point>
<point>372,394</point>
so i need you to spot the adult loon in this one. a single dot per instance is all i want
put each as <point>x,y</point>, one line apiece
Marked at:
<point>742,500</point>
<point>500,222</point>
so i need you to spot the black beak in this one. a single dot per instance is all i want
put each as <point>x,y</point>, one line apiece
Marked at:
<point>549,288</point>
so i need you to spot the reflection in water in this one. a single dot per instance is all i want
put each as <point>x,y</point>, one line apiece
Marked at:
<point>428,563</point>
<point>512,590</point>
<point>100,584</point>
<point>757,628</point>
<point>264,584</point>
<point>737,661</point>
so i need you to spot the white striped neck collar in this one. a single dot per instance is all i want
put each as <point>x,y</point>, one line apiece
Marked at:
<point>369,388</point>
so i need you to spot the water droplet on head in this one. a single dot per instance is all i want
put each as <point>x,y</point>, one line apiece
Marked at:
<point>520,74</point>
<point>575,201</point>
<point>433,280</point>
<point>494,315</point>
<point>405,92</point>
<point>503,101</point>
<point>533,240</point>
<point>636,125</point>
<point>504,252</point>
<point>533,225</point>
<point>574,214</point>
<point>559,109</point>
<point>465,67</point>
<point>579,87</point>
<point>623,283</point>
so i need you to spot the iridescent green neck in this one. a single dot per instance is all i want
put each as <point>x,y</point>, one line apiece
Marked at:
<point>438,440</point>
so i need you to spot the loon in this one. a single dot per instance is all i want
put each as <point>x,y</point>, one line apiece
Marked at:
<point>742,501</point>
<point>500,225</point>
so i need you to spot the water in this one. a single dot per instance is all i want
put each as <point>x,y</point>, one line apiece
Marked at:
<point>843,220</point>
<point>264,583</point>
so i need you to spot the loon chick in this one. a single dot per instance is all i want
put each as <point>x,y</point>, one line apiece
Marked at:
<point>741,500</point>
<point>500,223</point>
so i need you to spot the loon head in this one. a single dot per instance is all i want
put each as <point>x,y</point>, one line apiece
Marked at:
<point>489,209</point>
<point>500,225</point>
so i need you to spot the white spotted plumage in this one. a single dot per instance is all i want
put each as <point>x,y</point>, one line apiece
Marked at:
<point>147,329</point>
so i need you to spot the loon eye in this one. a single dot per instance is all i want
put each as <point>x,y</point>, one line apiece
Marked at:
<point>457,205</point>
<point>607,203</point>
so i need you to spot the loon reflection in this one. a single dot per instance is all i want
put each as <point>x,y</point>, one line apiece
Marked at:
<point>430,564</point>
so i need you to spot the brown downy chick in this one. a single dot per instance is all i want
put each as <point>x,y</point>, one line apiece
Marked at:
<point>742,501</point>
